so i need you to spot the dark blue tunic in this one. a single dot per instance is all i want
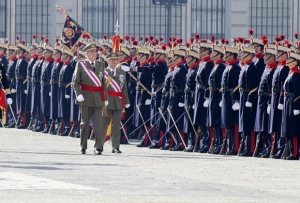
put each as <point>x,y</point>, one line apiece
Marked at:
<point>54,89</point>
<point>45,87</point>
<point>21,73</point>
<point>36,86</point>
<point>29,84</point>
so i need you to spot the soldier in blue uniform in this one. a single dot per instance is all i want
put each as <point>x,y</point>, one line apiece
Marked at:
<point>28,91</point>
<point>176,103</point>
<point>143,97</point>
<point>124,63</point>
<point>276,105</point>
<point>159,70</point>
<point>4,83</point>
<point>258,59</point>
<point>248,82</point>
<point>230,98</point>
<point>45,85</point>
<point>20,74</point>
<point>264,99</point>
<point>165,140</point>
<point>36,90</point>
<point>215,96</point>
<point>64,91</point>
<point>57,65</point>
<point>202,93</point>
<point>192,61</point>
<point>290,128</point>
<point>10,75</point>
<point>74,112</point>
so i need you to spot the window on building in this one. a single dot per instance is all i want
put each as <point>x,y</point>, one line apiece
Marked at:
<point>32,17</point>
<point>208,18</point>
<point>99,17</point>
<point>2,19</point>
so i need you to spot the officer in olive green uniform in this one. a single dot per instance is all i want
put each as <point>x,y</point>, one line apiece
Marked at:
<point>116,86</point>
<point>91,96</point>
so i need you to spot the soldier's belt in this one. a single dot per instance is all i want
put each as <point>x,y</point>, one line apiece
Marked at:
<point>156,85</point>
<point>243,90</point>
<point>52,82</point>
<point>287,94</point>
<point>224,90</point>
<point>44,83</point>
<point>117,94</point>
<point>28,77</point>
<point>275,90</point>
<point>213,89</point>
<point>262,93</point>
<point>90,88</point>
<point>199,86</point>
<point>175,90</point>
<point>19,78</point>
<point>60,84</point>
<point>34,80</point>
<point>187,91</point>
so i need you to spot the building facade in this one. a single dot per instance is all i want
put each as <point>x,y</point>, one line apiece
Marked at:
<point>161,18</point>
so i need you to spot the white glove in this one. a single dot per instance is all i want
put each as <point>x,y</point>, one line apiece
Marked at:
<point>127,106</point>
<point>49,94</point>
<point>181,104</point>
<point>125,68</point>
<point>9,101</point>
<point>205,104</point>
<point>296,112</point>
<point>106,103</point>
<point>25,91</point>
<point>132,64</point>
<point>248,104</point>
<point>67,96</point>
<point>220,104</point>
<point>280,106</point>
<point>80,98</point>
<point>268,109</point>
<point>13,91</point>
<point>236,106</point>
<point>148,102</point>
<point>193,107</point>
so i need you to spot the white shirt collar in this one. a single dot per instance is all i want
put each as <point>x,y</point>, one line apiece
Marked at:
<point>91,62</point>
<point>112,70</point>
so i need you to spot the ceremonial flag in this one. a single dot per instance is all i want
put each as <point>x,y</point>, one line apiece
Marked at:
<point>72,31</point>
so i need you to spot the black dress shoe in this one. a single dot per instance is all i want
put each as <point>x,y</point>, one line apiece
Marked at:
<point>190,149</point>
<point>277,155</point>
<point>291,158</point>
<point>266,155</point>
<point>231,153</point>
<point>203,150</point>
<point>82,151</point>
<point>246,154</point>
<point>97,152</point>
<point>141,145</point>
<point>216,150</point>
<point>20,127</point>
<point>177,148</point>
<point>116,150</point>
<point>10,126</point>
<point>38,129</point>
<point>153,146</point>
<point>165,147</point>
<point>46,130</point>
<point>65,133</point>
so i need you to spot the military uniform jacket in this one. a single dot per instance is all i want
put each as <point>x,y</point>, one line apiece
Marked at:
<point>290,123</point>
<point>57,65</point>
<point>4,81</point>
<point>45,86</point>
<point>36,85</point>
<point>28,82</point>
<point>277,97</point>
<point>230,94</point>
<point>189,92</point>
<point>177,95</point>
<point>264,99</point>
<point>21,73</point>
<point>115,102</point>
<point>11,72</point>
<point>91,99</point>
<point>258,61</point>
<point>248,83</point>
<point>214,82</point>
<point>202,91</point>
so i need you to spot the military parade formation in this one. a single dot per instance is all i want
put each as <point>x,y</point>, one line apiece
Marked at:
<point>238,97</point>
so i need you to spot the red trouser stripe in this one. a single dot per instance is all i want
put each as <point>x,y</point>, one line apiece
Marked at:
<point>146,140</point>
<point>171,143</point>
<point>223,133</point>
<point>236,138</point>
<point>24,119</point>
<point>295,143</point>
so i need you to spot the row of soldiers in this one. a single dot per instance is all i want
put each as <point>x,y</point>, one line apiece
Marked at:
<point>197,97</point>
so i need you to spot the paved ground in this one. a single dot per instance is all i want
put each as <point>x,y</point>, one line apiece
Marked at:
<point>44,168</point>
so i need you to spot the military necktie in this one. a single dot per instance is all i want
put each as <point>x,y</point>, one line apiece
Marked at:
<point>113,73</point>
<point>92,64</point>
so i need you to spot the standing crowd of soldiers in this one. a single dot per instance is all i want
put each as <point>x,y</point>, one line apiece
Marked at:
<point>201,96</point>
